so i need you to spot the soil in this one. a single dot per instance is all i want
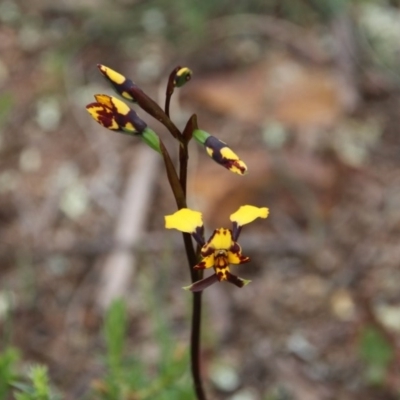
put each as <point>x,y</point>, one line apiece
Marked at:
<point>325,264</point>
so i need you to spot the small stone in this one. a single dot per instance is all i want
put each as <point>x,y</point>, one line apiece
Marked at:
<point>389,316</point>
<point>342,305</point>
<point>225,377</point>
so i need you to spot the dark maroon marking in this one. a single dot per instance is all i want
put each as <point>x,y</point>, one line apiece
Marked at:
<point>106,118</point>
<point>244,259</point>
<point>235,163</point>
<point>105,115</point>
<point>235,248</point>
<point>220,275</point>
<point>207,252</point>
<point>221,261</point>
<point>200,265</point>
<point>210,249</point>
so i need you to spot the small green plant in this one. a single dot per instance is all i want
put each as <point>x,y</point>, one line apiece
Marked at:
<point>377,354</point>
<point>38,387</point>
<point>8,360</point>
<point>129,376</point>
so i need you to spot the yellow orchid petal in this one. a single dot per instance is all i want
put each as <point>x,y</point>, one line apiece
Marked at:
<point>221,239</point>
<point>184,220</point>
<point>206,262</point>
<point>112,75</point>
<point>105,100</point>
<point>222,273</point>
<point>237,258</point>
<point>247,214</point>
<point>121,84</point>
<point>238,167</point>
<point>114,114</point>
<point>228,153</point>
<point>103,115</point>
<point>113,103</point>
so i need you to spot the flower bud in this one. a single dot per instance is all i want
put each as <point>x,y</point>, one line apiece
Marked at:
<point>220,152</point>
<point>122,85</point>
<point>115,115</point>
<point>182,75</point>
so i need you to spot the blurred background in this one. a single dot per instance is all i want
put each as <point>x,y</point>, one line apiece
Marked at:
<point>307,93</point>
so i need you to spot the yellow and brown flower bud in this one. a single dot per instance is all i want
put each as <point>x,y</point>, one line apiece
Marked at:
<point>220,152</point>
<point>115,115</point>
<point>122,85</point>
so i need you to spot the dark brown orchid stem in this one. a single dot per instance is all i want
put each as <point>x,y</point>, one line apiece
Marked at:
<point>152,108</point>
<point>195,337</point>
<point>170,89</point>
<point>178,186</point>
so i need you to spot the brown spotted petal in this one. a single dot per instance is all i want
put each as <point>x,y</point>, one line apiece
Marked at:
<point>235,255</point>
<point>104,116</point>
<point>206,262</point>
<point>115,115</point>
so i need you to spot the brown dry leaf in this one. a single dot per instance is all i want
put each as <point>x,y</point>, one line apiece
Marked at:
<point>278,88</point>
<point>216,189</point>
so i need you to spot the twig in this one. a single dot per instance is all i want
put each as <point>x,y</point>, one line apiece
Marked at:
<point>120,264</point>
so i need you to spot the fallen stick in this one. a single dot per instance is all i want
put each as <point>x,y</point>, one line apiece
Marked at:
<point>119,266</point>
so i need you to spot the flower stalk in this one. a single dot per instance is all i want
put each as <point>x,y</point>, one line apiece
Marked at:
<point>222,248</point>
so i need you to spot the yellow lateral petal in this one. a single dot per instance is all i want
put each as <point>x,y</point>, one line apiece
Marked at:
<point>247,214</point>
<point>237,258</point>
<point>206,262</point>
<point>184,220</point>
